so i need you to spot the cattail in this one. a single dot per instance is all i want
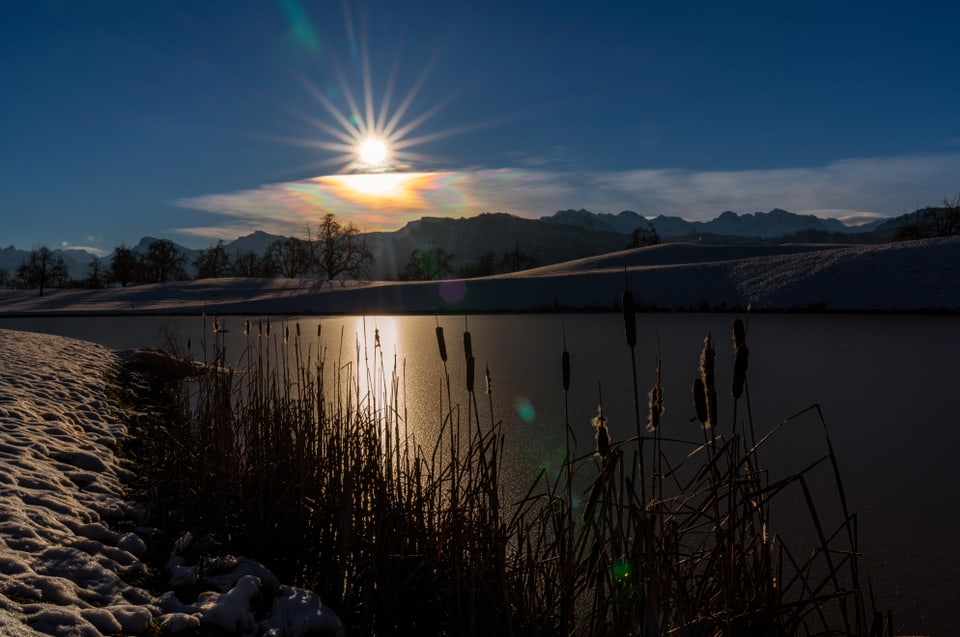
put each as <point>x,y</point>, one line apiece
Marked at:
<point>467,345</point>
<point>603,435</point>
<point>739,333</point>
<point>489,382</point>
<point>319,326</point>
<point>376,337</point>
<point>470,368</point>
<point>298,329</point>
<point>268,326</point>
<point>655,406</point>
<point>712,407</point>
<point>189,343</point>
<point>442,344</point>
<point>700,401</point>
<point>707,358</point>
<point>286,334</point>
<point>740,363</point>
<point>216,324</point>
<point>246,327</point>
<point>629,317</point>
<point>565,369</point>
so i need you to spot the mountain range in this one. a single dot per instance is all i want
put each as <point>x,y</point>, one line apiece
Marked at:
<point>563,236</point>
<point>757,225</point>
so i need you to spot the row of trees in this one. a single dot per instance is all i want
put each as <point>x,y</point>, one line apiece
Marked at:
<point>432,262</point>
<point>934,221</point>
<point>335,250</point>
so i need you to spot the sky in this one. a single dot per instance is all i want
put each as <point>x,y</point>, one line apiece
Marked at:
<point>199,121</point>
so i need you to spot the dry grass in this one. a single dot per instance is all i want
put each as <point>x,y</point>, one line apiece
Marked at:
<point>307,463</point>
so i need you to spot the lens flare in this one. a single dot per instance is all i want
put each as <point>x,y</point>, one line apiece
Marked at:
<point>525,409</point>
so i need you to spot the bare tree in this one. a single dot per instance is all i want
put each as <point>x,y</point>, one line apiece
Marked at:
<point>428,264</point>
<point>248,264</point>
<point>213,263</point>
<point>291,257</point>
<point>164,262</point>
<point>124,266</point>
<point>517,259</point>
<point>95,274</point>
<point>340,249</point>
<point>59,273</point>
<point>36,271</point>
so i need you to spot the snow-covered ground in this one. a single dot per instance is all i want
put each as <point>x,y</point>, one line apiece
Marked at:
<point>71,547</point>
<point>910,276</point>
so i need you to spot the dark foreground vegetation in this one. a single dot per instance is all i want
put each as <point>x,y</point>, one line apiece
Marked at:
<point>306,462</point>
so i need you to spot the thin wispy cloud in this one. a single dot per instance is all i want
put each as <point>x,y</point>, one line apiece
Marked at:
<point>853,190</point>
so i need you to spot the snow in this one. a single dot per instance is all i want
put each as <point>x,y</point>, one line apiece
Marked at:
<point>909,276</point>
<point>70,545</point>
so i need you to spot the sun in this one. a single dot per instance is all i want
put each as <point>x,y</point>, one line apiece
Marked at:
<point>373,152</point>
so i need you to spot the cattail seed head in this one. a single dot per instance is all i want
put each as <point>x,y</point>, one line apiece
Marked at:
<point>246,328</point>
<point>286,333</point>
<point>441,344</point>
<point>629,317</point>
<point>712,407</point>
<point>467,345</point>
<point>739,333</point>
<point>298,329</point>
<point>470,370</point>
<point>489,382</point>
<point>268,327</point>
<point>707,360</point>
<point>655,403</point>
<point>565,369</point>
<point>603,435</point>
<point>259,328</point>
<point>216,325</point>
<point>376,337</point>
<point>700,401</point>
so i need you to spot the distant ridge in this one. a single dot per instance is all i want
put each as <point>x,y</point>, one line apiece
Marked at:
<point>763,225</point>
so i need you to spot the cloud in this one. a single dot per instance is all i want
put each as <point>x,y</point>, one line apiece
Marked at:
<point>851,189</point>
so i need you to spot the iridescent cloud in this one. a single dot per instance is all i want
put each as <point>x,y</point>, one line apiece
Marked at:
<point>853,190</point>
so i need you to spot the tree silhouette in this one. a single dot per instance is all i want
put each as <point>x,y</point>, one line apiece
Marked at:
<point>340,249</point>
<point>213,263</point>
<point>249,265</point>
<point>290,257</point>
<point>517,259</point>
<point>36,271</point>
<point>123,266</point>
<point>95,274</point>
<point>428,264</point>
<point>644,237</point>
<point>164,262</point>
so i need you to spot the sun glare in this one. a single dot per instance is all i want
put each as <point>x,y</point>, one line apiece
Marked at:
<point>373,152</point>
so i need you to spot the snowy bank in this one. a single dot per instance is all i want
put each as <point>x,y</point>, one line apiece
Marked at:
<point>909,276</point>
<point>71,547</point>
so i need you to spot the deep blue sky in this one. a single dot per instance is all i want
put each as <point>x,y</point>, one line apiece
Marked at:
<point>194,119</point>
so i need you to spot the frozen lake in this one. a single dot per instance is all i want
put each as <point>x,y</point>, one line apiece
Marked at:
<point>885,384</point>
